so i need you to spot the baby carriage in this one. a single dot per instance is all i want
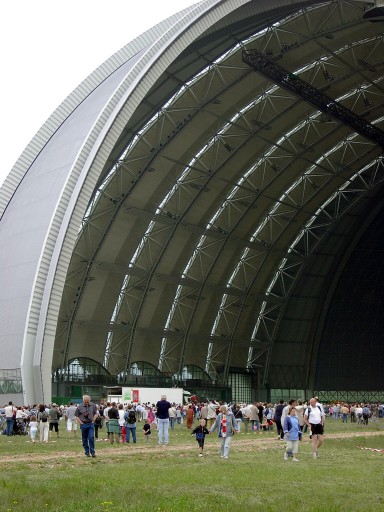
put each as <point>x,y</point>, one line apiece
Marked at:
<point>19,428</point>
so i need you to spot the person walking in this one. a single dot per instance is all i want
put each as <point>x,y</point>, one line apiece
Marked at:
<point>366,413</point>
<point>172,416</point>
<point>42,418</point>
<point>277,419</point>
<point>292,433</point>
<point>204,412</point>
<point>33,428</point>
<point>300,414</point>
<point>200,432</point>
<point>162,415</point>
<point>71,419</point>
<point>190,414</point>
<point>86,414</point>
<point>314,418</point>
<point>344,412</point>
<point>292,403</point>
<point>237,412</point>
<point>54,418</point>
<point>211,413</point>
<point>226,425</point>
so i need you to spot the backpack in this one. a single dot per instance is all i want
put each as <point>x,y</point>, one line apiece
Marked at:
<point>200,433</point>
<point>131,417</point>
<point>44,417</point>
<point>309,409</point>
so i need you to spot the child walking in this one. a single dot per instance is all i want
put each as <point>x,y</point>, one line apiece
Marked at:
<point>33,428</point>
<point>292,434</point>
<point>200,432</point>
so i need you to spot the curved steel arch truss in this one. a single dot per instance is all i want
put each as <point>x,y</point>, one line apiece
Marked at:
<point>206,195</point>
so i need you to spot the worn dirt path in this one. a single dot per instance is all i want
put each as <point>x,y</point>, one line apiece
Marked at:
<point>243,444</point>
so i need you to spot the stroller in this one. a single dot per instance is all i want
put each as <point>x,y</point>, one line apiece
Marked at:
<point>19,428</point>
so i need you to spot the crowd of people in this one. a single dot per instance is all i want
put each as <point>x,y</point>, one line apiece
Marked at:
<point>120,422</point>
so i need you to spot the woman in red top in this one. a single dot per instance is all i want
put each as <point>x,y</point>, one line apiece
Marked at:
<point>189,416</point>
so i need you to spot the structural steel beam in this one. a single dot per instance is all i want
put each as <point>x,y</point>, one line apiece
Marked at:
<point>293,83</point>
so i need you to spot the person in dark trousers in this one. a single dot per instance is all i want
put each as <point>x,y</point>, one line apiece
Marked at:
<point>200,432</point>
<point>86,414</point>
<point>314,418</point>
<point>277,419</point>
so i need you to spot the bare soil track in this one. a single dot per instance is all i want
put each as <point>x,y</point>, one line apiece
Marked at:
<point>242,443</point>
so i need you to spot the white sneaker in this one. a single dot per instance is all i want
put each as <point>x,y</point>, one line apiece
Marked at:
<point>295,460</point>
<point>285,456</point>
<point>315,456</point>
<point>200,454</point>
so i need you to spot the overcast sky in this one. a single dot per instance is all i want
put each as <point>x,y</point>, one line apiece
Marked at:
<point>47,47</point>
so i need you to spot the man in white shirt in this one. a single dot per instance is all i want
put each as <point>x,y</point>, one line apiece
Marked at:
<point>211,414</point>
<point>71,419</point>
<point>314,418</point>
<point>10,412</point>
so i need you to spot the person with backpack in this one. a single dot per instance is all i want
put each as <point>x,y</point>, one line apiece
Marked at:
<point>130,424</point>
<point>200,432</point>
<point>314,418</point>
<point>54,419</point>
<point>42,418</point>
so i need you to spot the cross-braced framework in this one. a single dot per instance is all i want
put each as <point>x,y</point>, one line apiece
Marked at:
<point>350,397</point>
<point>310,200</point>
<point>222,197</point>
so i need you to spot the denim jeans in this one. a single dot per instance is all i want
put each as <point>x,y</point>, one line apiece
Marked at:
<point>255,423</point>
<point>225,444</point>
<point>172,423</point>
<point>10,422</point>
<point>129,431</point>
<point>88,437</point>
<point>163,426</point>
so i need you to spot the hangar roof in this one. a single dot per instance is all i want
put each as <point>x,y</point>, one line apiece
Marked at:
<point>226,199</point>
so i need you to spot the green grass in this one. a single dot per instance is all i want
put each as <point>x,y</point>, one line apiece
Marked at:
<point>57,476</point>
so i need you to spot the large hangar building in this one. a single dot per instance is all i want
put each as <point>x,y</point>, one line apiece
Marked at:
<point>206,210</point>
